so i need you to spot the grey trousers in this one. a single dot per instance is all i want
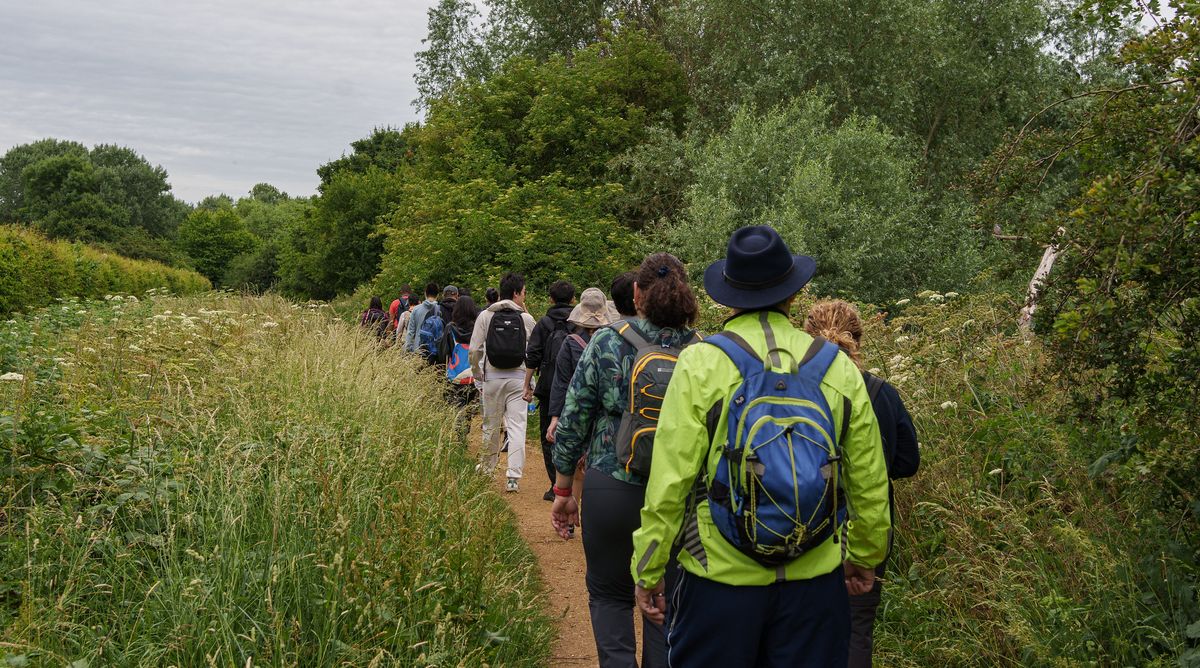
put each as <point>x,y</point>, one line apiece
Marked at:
<point>611,512</point>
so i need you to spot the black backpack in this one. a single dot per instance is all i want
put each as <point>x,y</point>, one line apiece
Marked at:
<point>554,343</point>
<point>505,344</point>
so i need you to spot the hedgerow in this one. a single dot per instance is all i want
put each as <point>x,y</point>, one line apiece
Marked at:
<point>37,270</point>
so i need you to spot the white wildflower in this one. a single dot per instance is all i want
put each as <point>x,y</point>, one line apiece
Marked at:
<point>951,295</point>
<point>875,371</point>
<point>947,405</point>
<point>936,298</point>
<point>926,294</point>
<point>12,375</point>
<point>90,350</point>
<point>944,330</point>
<point>901,339</point>
<point>143,375</point>
<point>81,312</point>
<point>968,323</point>
<point>995,471</point>
<point>902,302</point>
<point>270,324</point>
<point>131,298</point>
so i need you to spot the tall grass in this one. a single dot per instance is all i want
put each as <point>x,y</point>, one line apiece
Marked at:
<point>239,481</point>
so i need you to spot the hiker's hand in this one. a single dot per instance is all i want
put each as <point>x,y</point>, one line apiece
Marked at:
<point>528,395</point>
<point>652,602</point>
<point>563,515</point>
<point>859,579</point>
<point>550,431</point>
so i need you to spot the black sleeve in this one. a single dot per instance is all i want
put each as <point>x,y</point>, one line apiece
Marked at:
<point>537,345</point>
<point>564,370</point>
<point>908,456</point>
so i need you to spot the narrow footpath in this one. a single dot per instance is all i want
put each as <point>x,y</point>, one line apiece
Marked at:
<point>560,561</point>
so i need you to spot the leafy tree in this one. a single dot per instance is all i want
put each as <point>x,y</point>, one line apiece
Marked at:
<point>335,247</point>
<point>463,46</point>
<point>212,238</point>
<point>471,233</point>
<point>386,149</point>
<point>842,192</point>
<point>951,76</point>
<point>108,196</point>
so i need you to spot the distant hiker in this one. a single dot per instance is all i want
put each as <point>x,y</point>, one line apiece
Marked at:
<point>412,340</point>
<point>591,314</point>
<point>400,305</point>
<point>449,297</point>
<point>544,344</point>
<point>839,322</point>
<point>402,325</point>
<point>375,319</point>
<point>498,346</point>
<point>462,392</point>
<point>615,427</point>
<point>492,295</point>
<point>622,296</point>
<point>775,433</point>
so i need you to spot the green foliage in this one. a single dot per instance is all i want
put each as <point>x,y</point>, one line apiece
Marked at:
<point>514,173</point>
<point>949,76</point>
<point>843,193</point>
<point>213,238</point>
<point>335,247</point>
<point>228,481</point>
<point>386,149</point>
<point>37,271</point>
<point>109,196</point>
<point>472,233</point>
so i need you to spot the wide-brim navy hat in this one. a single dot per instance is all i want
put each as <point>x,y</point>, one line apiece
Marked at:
<point>758,271</point>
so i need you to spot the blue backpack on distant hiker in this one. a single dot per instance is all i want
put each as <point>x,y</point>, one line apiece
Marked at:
<point>458,364</point>
<point>429,337</point>
<point>777,489</point>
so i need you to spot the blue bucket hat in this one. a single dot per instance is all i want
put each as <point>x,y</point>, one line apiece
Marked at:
<point>758,270</point>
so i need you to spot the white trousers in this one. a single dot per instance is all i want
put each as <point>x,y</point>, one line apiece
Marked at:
<point>504,403</point>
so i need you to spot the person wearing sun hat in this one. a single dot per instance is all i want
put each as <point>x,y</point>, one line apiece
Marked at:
<point>728,609</point>
<point>590,314</point>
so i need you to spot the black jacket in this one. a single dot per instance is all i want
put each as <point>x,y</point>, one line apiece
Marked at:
<point>564,370</point>
<point>447,310</point>
<point>900,449</point>
<point>537,353</point>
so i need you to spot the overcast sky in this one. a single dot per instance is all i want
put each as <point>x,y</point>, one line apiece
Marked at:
<point>222,93</point>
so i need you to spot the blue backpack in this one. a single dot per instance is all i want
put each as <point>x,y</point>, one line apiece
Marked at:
<point>458,363</point>
<point>777,489</point>
<point>430,335</point>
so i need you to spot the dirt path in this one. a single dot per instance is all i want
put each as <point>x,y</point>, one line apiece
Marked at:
<point>561,562</point>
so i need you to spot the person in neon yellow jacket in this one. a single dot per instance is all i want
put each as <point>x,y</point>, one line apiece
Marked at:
<point>728,609</point>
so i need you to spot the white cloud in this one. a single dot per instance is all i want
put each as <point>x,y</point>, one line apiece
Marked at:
<point>222,93</point>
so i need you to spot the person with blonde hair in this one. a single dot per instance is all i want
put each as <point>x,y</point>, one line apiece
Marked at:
<point>839,322</point>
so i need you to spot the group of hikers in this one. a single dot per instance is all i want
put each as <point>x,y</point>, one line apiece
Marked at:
<point>735,487</point>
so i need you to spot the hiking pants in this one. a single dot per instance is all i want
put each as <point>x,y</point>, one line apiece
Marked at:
<point>611,512</point>
<point>862,626</point>
<point>784,624</point>
<point>547,446</point>
<point>504,402</point>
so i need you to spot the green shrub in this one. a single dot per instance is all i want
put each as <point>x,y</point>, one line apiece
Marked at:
<point>37,270</point>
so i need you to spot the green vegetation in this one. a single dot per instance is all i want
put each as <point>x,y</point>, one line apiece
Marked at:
<point>232,480</point>
<point>918,149</point>
<point>37,271</point>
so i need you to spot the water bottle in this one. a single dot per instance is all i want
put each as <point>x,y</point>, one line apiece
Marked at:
<point>533,405</point>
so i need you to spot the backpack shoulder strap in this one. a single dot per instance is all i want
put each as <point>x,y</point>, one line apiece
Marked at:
<point>738,351</point>
<point>633,336</point>
<point>874,385</point>
<point>818,359</point>
<point>578,339</point>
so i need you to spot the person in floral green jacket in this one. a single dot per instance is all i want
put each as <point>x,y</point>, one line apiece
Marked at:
<point>596,399</point>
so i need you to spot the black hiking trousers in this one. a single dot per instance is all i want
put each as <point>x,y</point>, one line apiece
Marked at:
<point>610,513</point>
